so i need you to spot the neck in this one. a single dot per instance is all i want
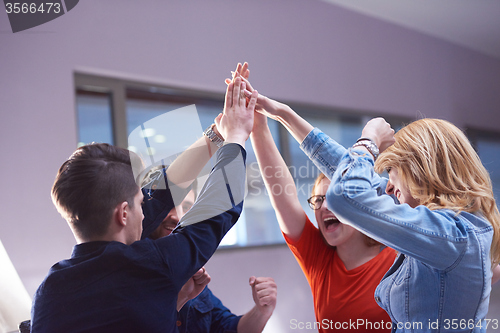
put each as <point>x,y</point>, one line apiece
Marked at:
<point>108,237</point>
<point>356,252</point>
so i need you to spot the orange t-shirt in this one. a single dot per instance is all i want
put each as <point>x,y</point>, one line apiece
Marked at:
<point>343,299</point>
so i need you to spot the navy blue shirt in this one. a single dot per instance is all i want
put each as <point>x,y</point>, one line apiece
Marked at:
<point>206,314</point>
<point>112,287</point>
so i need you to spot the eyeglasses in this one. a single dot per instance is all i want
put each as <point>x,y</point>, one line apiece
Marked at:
<point>316,201</point>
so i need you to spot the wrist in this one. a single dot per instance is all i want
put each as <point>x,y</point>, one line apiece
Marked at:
<point>236,138</point>
<point>213,135</point>
<point>370,135</point>
<point>216,131</point>
<point>262,129</point>
<point>181,301</point>
<point>263,312</point>
<point>284,113</point>
<point>369,145</point>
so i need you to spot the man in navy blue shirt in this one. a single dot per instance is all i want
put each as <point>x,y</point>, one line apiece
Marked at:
<point>206,313</point>
<point>113,282</point>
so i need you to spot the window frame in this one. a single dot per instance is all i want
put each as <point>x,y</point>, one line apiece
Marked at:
<point>122,89</point>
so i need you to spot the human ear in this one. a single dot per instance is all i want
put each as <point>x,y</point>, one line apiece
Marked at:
<point>120,213</point>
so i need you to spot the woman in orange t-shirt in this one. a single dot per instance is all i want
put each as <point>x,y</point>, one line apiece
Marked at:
<point>342,265</point>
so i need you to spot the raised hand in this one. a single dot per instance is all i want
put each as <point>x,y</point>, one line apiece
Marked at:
<point>380,132</point>
<point>265,292</point>
<point>264,105</point>
<point>236,122</point>
<point>193,287</point>
<point>243,72</point>
<point>296,125</point>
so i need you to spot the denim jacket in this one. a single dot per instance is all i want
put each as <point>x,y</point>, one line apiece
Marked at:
<point>441,280</point>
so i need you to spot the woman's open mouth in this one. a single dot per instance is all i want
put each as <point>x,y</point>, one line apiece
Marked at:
<point>331,223</point>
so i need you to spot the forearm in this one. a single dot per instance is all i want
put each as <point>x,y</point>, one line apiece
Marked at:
<point>253,321</point>
<point>215,211</point>
<point>189,164</point>
<point>323,151</point>
<point>279,182</point>
<point>295,124</point>
<point>181,301</point>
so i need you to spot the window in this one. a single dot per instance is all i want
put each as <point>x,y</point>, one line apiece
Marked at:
<point>94,117</point>
<point>110,109</point>
<point>487,145</point>
<point>195,114</point>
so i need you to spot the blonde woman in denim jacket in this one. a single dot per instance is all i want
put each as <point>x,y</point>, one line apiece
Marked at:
<point>441,280</point>
<point>437,209</point>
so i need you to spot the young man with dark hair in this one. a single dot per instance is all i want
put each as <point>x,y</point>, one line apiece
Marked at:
<point>113,282</point>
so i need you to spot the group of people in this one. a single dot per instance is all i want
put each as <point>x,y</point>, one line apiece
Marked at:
<point>412,253</point>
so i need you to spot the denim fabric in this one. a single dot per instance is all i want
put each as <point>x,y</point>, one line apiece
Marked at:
<point>441,281</point>
<point>206,313</point>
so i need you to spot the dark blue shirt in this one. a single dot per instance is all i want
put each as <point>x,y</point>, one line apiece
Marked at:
<point>112,287</point>
<point>206,314</point>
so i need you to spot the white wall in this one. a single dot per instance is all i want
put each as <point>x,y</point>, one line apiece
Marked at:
<point>299,50</point>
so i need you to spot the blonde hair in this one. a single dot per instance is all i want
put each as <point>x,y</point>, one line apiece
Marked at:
<point>442,170</point>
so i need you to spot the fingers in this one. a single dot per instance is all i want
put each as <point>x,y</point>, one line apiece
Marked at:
<point>202,277</point>
<point>248,85</point>
<point>253,100</point>
<point>265,290</point>
<point>244,70</point>
<point>199,273</point>
<point>229,95</point>
<point>217,119</point>
<point>243,99</point>
<point>236,91</point>
<point>238,68</point>
<point>264,283</point>
<point>203,280</point>
<point>241,70</point>
<point>263,286</point>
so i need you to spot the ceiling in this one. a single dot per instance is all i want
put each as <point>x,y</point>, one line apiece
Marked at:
<point>474,24</point>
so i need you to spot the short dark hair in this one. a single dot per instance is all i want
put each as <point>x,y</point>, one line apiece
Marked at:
<point>90,184</point>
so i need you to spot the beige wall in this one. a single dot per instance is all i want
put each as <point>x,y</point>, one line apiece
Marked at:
<point>301,50</point>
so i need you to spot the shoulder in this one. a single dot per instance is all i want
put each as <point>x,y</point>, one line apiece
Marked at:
<point>476,221</point>
<point>309,238</point>
<point>386,257</point>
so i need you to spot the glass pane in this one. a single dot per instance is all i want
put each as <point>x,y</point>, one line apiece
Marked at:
<point>489,152</point>
<point>261,224</point>
<point>257,224</point>
<point>94,120</point>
